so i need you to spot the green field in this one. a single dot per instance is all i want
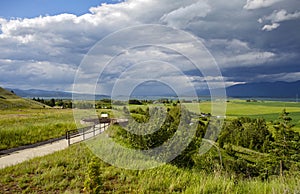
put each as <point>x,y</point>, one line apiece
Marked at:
<point>269,110</point>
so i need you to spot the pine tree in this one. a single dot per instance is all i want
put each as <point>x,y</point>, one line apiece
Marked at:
<point>286,144</point>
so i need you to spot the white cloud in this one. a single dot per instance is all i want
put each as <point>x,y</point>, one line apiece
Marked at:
<point>282,15</point>
<point>287,77</point>
<point>234,53</point>
<point>253,58</point>
<point>270,27</point>
<point>31,72</point>
<point>142,11</point>
<point>183,16</point>
<point>256,4</point>
<point>276,17</point>
<point>67,37</point>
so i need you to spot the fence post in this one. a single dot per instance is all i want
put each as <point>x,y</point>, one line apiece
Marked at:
<point>83,134</point>
<point>68,137</point>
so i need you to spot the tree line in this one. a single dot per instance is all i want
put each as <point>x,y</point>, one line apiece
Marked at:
<point>55,102</point>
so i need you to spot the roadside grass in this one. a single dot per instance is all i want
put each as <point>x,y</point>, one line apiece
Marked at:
<point>20,127</point>
<point>28,126</point>
<point>53,173</point>
<point>65,172</point>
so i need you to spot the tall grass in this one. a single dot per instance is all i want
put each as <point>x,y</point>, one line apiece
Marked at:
<point>22,127</point>
<point>65,171</point>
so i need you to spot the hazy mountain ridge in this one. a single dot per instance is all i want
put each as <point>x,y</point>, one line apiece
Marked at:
<point>278,89</point>
<point>36,93</point>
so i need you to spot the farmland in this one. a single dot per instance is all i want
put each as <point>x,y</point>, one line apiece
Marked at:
<point>268,110</point>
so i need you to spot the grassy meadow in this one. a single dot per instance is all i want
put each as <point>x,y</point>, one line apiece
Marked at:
<point>70,170</point>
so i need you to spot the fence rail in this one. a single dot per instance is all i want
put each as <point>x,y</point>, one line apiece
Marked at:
<point>86,132</point>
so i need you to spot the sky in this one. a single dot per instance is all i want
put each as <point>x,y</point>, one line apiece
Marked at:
<point>43,43</point>
<point>36,8</point>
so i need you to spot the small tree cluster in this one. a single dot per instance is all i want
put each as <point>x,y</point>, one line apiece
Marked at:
<point>55,102</point>
<point>248,133</point>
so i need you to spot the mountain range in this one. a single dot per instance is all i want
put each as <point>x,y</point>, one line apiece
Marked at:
<point>265,89</point>
<point>36,93</point>
<point>260,89</point>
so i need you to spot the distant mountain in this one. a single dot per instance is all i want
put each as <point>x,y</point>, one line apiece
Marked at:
<point>35,93</point>
<point>261,89</point>
<point>265,89</point>
<point>39,93</point>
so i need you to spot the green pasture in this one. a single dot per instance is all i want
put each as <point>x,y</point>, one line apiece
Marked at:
<point>269,110</point>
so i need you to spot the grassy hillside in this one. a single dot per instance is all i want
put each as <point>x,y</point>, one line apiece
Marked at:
<point>66,171</point>
<point>24,121</point>
<point>4,94</point>
<point>9,100</point>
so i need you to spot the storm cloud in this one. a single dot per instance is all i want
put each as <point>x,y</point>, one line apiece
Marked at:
<point>251,40</point>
